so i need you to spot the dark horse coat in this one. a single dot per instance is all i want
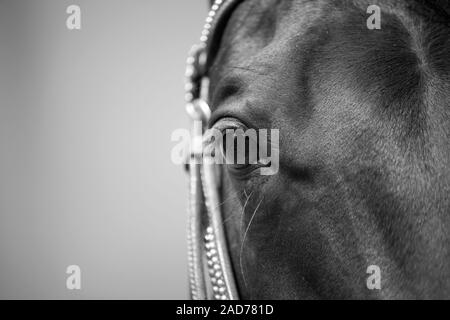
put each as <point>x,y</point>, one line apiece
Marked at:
<point>364,120</point>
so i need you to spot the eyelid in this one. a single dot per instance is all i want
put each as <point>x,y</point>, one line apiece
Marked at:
<point>228,123</point>
<point>222,125</point>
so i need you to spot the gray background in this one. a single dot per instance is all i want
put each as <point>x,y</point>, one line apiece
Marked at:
<point>85,170</point>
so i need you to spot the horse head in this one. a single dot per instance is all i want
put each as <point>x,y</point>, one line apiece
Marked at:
<point>364,148</point>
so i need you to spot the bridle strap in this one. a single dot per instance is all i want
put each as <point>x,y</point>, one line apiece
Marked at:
<point>207,244</point>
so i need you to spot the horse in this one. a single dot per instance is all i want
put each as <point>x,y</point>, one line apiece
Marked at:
<point>364,151</point>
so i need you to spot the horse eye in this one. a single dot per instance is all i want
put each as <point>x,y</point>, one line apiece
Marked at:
<point>239,145</point>
<point>240,148</point>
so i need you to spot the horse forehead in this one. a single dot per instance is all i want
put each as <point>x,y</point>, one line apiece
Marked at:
<point>258,52</point>
<point>270,44</point>
<point>283,49</point>
<point>256,24</point>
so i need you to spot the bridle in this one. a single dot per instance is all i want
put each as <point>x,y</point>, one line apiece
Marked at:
<point>210,270</point>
